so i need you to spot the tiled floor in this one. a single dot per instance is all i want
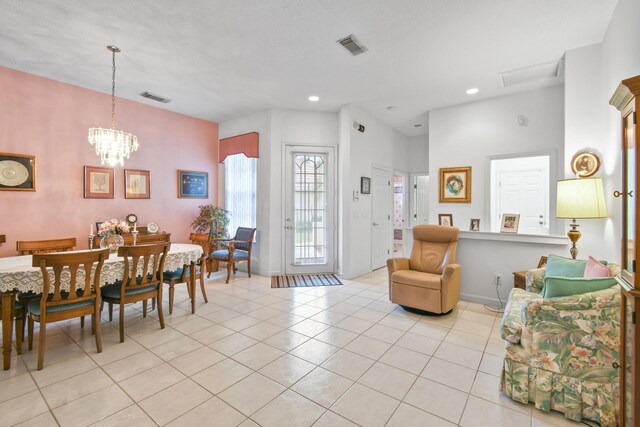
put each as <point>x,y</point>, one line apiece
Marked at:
<point>324,356</point>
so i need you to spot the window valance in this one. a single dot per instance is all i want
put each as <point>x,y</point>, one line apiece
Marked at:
<point>246,143</point>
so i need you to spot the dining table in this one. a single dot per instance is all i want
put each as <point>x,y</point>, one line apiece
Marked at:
<point>18,275</point>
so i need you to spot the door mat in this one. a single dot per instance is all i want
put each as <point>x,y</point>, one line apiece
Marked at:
<point>304,280</point>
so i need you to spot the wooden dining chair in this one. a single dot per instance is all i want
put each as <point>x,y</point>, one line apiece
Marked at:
<point>183,275</point>
<point>239,250</point>
<point>31,247</point>
<point>66,298</point>
<point>136,287</point>
<point>19,316</point>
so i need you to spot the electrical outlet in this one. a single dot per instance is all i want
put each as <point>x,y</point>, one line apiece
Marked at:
<point>498,279</point>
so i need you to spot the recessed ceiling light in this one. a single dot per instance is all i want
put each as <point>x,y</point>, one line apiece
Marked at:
<point>391,108</point>
<point>314,98</point>
<point>473,91</point>
<point>417,125</point>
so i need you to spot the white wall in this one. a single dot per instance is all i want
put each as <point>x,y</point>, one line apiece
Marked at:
<point>419,154</point>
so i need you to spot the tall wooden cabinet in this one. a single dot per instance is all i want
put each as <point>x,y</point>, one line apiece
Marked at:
<point>627,100</point>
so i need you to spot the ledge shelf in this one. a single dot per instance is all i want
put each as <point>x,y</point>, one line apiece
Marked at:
<point>517,238</point>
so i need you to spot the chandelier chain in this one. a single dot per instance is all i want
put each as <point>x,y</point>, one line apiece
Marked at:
<point>113,91</point>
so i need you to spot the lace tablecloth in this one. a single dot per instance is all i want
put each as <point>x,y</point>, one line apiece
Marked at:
<point>16,273</point>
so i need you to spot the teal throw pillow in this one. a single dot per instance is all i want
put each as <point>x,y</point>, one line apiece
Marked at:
<point>558,266</point>
<point>565,286</point>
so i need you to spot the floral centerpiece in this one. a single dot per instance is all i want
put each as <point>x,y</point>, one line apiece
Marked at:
<point>111,231</point>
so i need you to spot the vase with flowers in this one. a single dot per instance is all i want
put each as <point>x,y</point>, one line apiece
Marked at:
<point>111,232</point>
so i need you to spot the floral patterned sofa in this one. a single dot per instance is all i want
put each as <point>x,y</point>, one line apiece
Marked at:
<point>562,353</point>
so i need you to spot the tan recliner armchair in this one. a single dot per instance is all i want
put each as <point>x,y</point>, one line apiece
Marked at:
<point>430,279</point>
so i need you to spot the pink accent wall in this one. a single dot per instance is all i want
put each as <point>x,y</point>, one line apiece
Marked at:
<point>50,120</point>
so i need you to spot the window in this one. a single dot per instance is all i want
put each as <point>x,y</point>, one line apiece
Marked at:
<point>240,191</point>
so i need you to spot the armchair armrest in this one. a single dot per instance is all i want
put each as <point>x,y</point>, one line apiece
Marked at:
<point>450,293</point>
<point>397,264</point>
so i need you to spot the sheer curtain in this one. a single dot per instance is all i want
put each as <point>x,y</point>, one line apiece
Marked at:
<point>240,191</point>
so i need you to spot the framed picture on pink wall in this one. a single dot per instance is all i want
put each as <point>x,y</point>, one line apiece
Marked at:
<point>17,172</point>
<point>99,182</point>
<point>137,184</point>
<point>193,185</point>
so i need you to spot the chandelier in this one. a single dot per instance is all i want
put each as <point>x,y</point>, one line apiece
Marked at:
<point>112,145</point>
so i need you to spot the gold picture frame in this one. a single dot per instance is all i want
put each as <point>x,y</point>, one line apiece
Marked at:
<point>17,172</point>
<point>455,185</point>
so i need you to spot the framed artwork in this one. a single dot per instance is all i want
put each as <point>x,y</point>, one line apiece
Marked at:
<point>445,219</point>
<point>474,224</point>
<point>137,184</point>
<point>455,185</point>
<point>98,224</point>
<point>193,185</point>
<point>17,172</point>
<point>510,223</point>
<point>585,164</point>
<point>542,262</point>
<point>99,182</point>
<point>365,185</point>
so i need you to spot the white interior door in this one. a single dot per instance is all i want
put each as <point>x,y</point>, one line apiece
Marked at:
<point>420,208</point>
<point>525,192</point>
<point>381,217</point>
<point>310,210</point>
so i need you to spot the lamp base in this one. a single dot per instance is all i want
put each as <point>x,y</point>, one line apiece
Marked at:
<point>574,235</point>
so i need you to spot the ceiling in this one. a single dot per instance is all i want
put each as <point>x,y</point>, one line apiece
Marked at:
<point>220,59</point>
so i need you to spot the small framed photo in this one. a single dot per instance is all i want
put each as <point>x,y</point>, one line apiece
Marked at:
<point>445,219</point>
<point>365,185</point>
<point>17,172</point>
<point>455,185</point>
<point>193,185</point>
<point>474,224</point>
<point>99,182</point>
<point>510,223</point>
<point>585,164</point>
<point>98,225</point>
<point>137,184</point>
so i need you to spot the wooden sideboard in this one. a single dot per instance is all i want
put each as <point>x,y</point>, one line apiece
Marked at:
<point>143,238</point>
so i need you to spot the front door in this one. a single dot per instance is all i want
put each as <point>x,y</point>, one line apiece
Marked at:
<point>310,210</point>
<point>381,217</point>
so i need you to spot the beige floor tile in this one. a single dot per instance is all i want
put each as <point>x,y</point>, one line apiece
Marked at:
<point>17,368</point>
<point>66,391</point>
<point>331,419</point>
<point>550,419</point>
<point>132,365</point>
<point>158,337</point>
<point>307,310</point>
<point>473,327</point>
<point>288,409</point>
<point>131,416</point>
<point>257,356</point>
<point>22,408</point>
<point>460,355</point>
<point>232,344</point>
<point>437,399</point>
<point>116,351</point>
<point>368,347</point>
<point>220,316</point>
<point>408,416</point>
<point>365,406</point>
<point>429,330</point>
<point>398,322</point>
<point>261,331</point>
<point>174,401</point>
<point>491,364</point>
<point>465,339</point>
<point>251,393</point>
<point>495,347</point>
<point>43,420</point>
<point>322,386</point>
<point>384,333</point>
<point>287,369</point>
<point>329,317</point>
<point>63,370</point>
<point>348,364</point>
<point>309,327</point>
<point>16,386</point>
<point>487,387</point>
<point>480,413</point>
<point>241,322</point>
<point>151,381</point>
<point>214,412</point>
<point>336,336</point>
<point>419,343</point>
<point>447,373</point>
<point>446,321</point>
<point>221,375</point>
<point>314,351</point>
<point>54,355</point>
<point>472,316</point>
<point>388,380</point>
<point>176,348</point>
<point>191,363</point>
<point>285,319</point>
<point>354,324</point>
<point>211,334</point>
<point>369,315</point>
<point>286,340</point>
<point>405,359</point>
<point>93,407</point>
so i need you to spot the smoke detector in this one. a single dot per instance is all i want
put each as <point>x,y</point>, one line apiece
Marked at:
<point>353,45</point>
<point>149,95</point>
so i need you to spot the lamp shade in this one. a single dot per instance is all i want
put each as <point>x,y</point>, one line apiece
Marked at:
<point>581,198</point>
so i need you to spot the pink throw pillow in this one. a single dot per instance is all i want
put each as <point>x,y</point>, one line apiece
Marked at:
<point>596,269</point>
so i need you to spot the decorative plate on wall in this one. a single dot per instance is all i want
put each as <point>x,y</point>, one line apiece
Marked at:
<point>152,227</point>
<point>17,172</point>
<point>585,164</point>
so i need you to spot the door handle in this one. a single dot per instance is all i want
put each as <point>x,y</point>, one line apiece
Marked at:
<point>375,223</point>
<point>288,227</point>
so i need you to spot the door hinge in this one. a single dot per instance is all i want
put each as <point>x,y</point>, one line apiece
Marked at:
<point>415,186</point>
<point>388,216</point>
<point>415,216</point>
<point>389,183</point>
<point>388,252</point>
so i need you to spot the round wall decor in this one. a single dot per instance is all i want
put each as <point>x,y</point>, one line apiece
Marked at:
<point>585,164</point>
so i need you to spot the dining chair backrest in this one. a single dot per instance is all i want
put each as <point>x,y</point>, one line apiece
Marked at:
<point>31,247</point>
<point>244,238</point>
<point>202,240</point>
<point>141,256</point>
<point>66,288</point>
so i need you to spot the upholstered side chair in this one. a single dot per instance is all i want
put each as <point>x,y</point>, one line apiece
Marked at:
<point>239,250</point>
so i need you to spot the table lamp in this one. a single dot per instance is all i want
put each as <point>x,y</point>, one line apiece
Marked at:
<point>580,198</point>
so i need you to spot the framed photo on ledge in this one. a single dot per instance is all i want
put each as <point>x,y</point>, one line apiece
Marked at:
<point>17,172</point>
<point>193,185</point>
<point>445,219</point>
<point>98,182</point>
<point>137,184</point>
<point>510,223</point>
<point>455,185</point>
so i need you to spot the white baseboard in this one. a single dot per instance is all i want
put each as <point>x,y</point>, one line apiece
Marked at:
<point>493,302</point>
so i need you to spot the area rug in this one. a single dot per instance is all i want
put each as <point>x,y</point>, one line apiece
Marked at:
<point>304,280</point>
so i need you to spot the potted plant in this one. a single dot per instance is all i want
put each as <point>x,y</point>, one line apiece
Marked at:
<point>212,220</point>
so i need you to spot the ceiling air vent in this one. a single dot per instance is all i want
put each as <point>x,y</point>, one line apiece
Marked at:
<point>155,97</point>
<point>548,70</point>
<point>353,45</point>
